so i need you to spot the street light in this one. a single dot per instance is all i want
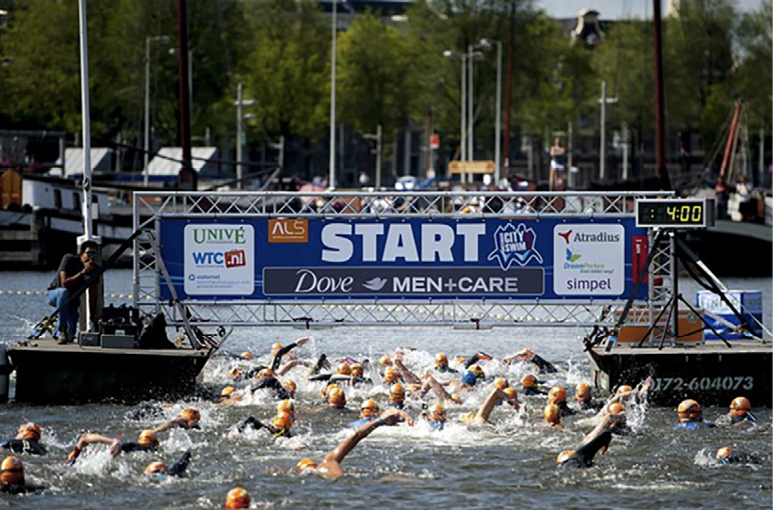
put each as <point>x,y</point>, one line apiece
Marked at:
<point>240,117</point>
<point>486,43</point>
<point>332,179</point>
<point>604,100</point>
<point>163,39</point>
<point>472,56</point>
<point>462,102</point>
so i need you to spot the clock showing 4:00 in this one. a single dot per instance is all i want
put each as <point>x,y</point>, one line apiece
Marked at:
<point>674,212</point>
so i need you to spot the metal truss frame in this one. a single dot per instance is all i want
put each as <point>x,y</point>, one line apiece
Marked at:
<point>150,207</point>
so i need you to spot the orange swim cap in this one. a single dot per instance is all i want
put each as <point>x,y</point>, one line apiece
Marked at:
<point>529,381</point>
<point>740,406</point>
<point>336,398</point>
<point>190,414</point>
<point>616,408</point>
<point>235,372</point>
<point>622,390</point>
<point>391,375</point>
<point>357,370</point>
<point>582,392</point>
<point>564,456</point>
<point>369,409</point>
<point>689,410</point>
<point>275,348</point>
<point>290,386</point>
<point>227,391</point>
<point>553,414</point>
<point>12,471</point>
<point>477,371</point>
<point>283,420</point>
<point>511,392</point>
<point>501,383</point>
<point>148,438</point>
<point>396,393</point>
<point>29,431</point>
<point>441,360</point>
<point>723,452</point>
<point>305,464</point>
<point>344,369</point>
<point>286,406</point>
<point>385,360</point>
<point>557,395</point>
<point>156,467</point>
<point>247,355</point>
<point>237,498</point>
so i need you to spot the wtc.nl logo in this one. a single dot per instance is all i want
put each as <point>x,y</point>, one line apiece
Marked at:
<point>570,257</point>
<point>514,244</point>
<point>229,259</point>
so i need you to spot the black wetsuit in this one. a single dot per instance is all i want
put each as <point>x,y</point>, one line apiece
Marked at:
<point>30,446</point>
<point>533,391</point>
<point>566,410</point>
<point>179,467</point>
<point>273,384</point>
<point>445,369</point>
<point>21,488</point>
<point>543,364</point>
<point>256,424</point>
<point>740,458</point>
<point>131,447</point>
<point>583,456</point>
<point>589,405</point>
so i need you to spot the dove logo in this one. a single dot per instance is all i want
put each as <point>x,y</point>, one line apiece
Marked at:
<point>375,284</point>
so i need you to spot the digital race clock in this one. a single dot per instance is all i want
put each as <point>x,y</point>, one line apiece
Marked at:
<point>675,213</point>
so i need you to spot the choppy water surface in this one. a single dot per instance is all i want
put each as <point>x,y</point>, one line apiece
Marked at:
<point>510,465</point>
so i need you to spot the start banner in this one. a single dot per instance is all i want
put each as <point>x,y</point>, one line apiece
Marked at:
<point>417,258</point>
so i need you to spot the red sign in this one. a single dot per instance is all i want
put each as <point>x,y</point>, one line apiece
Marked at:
<point>434,141</point>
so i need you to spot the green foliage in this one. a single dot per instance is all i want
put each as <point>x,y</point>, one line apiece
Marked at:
<point>373,81</point>
<point>285,68</point>
<point>754,74</point>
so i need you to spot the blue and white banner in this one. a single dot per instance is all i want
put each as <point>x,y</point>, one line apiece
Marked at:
<point>298,258</point>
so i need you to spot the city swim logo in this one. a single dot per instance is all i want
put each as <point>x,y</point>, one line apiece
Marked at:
<point>589,259</point>
<point>514,244</point>
<point>219,259</point>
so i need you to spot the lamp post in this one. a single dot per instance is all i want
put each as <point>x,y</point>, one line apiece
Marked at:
<point>498,130</point>
<point>463,105</point>
<point>472,55</point>
<point>240,117</point>
<point>604,100</point>
<point>332,179</point>
<point>146,145</point>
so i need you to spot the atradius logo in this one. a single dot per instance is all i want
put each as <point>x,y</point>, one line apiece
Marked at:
<point>583,238</point>
<point>514,244</point>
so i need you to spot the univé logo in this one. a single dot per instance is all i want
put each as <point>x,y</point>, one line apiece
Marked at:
<point>514,244</point>
<point>209,236</point>
<point>288,230</point>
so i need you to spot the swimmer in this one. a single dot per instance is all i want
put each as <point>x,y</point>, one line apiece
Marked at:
<point>279,427</point>
<point>27,440</point>
<point>584,398</point>
<point>436,418</point>
<point>159,470</point>
<point>740,411</point>
<point>336,398</point>
<point>397,396</point>
<point>237,498</point>
<point>553,416</point>
<point>405,373</point>
<point>187,419</point>
<point>277,353</point>
<point>368,411</point>
<point>528,356</point>
<point>597,440</point>
<point>481,417</point>
<point>441,364</point>
<point>691,416</point>
<point>530,386</point>
<point>266,380</point>
<point>229,396</point>
<point>431,383</point>
<point>475,358</point>
<point>12,477</point>
<point>727,455</point>
<point>147,442</point>
<point>557,396</point>
<point>330,468</point>
<point>391,375</point>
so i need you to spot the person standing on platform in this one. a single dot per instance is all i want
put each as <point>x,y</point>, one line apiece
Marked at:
<point>557,165</point>
<point>73,271</point>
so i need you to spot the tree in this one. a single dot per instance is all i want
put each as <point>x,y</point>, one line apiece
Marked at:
<point>284,71</point>
<point>754,74</point>
<point>373,76</point>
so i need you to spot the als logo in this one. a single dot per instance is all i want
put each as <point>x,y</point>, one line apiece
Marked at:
<point>514,244</point>
<point>570,257</point>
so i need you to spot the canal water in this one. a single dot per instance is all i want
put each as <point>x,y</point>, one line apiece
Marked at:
<point>510,465</point>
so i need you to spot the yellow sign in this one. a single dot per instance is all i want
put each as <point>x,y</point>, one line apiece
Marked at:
<point>471,167</point>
